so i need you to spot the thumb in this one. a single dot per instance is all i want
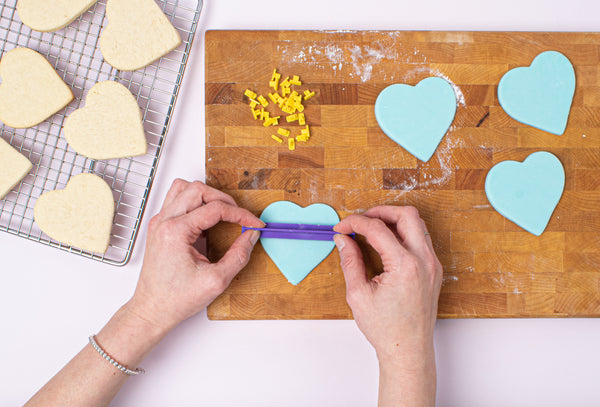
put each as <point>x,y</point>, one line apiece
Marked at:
<point>353,265</point>
<point>238,255</point>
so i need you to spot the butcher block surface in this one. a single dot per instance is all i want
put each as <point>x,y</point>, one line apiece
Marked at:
<point>492,268</point>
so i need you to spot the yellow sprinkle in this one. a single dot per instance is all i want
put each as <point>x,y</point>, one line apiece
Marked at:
<point>275,97</point>
<point>291,106</point>
<point>289,101</point>
<point>282,102</point>
<point>263,101</point>
<point>275,77</point>
<point>306,131</point>
<point>271,121</point>
<point>288,109</point>
<point>274,83</point>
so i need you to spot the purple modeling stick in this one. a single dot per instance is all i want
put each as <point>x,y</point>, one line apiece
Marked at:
<point>296,231</point>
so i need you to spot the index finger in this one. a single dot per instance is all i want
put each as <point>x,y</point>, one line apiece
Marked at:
<point>194,195</point>
<point>176,188</point>
<point>409,225</point>
<point>378,235</point>
<point>207,216</point>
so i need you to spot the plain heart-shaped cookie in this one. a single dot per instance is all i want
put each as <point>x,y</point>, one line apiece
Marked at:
<point>31,90</point>
<point>109,126</point>
<point>13,167</point>
<point>81,215</point>
<point>51,15</point>
<point>297,258</point>
<point>527,193</point>
<point>417,117</point>
<point>540,95</point>
<point>137,34</point>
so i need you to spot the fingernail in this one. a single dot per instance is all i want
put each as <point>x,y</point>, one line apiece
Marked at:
<point>339,242</point>
<point>255,235</point>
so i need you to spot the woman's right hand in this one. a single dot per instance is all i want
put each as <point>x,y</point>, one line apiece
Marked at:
<point>397,309</point>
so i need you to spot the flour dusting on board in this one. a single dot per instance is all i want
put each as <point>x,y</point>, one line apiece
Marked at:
<point>363,59</point>
<point>418,71</point>
<point>314,53</point>
<point>409,183</point>
<point>447,278</point>
<point>444,157</point>
<point>460,97</point>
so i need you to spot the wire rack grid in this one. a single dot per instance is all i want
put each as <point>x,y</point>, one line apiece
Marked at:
<point>74,53</point>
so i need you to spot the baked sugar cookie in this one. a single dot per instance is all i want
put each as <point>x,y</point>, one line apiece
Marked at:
<point>80,215</point>
<point>31,90</point>
<point>13,167</point>
<point>51,15</point>
<point>109,126</point>
<point>137,34</point>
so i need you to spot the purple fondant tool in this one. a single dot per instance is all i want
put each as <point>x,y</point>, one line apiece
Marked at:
<point>296,231</point>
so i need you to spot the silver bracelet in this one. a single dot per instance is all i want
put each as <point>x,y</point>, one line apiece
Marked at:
<point>113,362</point>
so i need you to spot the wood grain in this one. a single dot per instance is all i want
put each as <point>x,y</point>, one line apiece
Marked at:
<point>492,268</point>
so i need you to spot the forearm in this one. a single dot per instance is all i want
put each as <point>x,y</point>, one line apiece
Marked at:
<point>408,379</point>
<point>88,379</point>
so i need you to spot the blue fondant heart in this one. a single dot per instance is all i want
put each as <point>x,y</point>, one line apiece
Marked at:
<point>527,193</point>
<point>540,95</point>
<point>417,117</point>
<point>297,258</point>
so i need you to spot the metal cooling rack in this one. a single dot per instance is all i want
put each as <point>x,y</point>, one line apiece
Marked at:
<point>74,53</point>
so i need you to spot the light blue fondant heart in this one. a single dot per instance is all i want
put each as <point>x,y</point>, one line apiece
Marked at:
<point>297,258</point>
<point>417,117</point>
<point>540,95</point>
<point>527,193</point>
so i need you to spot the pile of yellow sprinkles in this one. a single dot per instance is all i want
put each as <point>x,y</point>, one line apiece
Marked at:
<point>289,101</point>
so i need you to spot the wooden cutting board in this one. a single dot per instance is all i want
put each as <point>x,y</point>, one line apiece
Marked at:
<point>492,268</point>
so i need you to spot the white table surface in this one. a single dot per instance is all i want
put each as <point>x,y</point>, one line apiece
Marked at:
<point>51,301</point>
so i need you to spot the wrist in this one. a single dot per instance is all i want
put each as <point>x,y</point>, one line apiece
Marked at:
<point>406,356</point>
<point>407,377</point>
<point>128,337</point>
<point>151,313</point>
<point>136,315</point>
